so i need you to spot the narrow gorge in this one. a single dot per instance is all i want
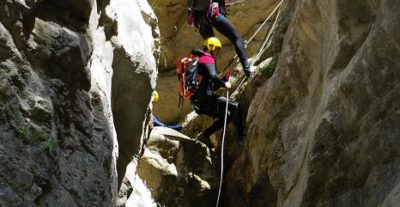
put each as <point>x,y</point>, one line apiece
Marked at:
<point>322,109</point>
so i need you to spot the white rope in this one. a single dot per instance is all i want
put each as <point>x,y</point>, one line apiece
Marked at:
<point>227,93</point>
<point>262,48</point>
<point>267,39</point>
<point>236,2</point>
<point>222,148</point>
<point>258,30</point>
<point>262,25</point>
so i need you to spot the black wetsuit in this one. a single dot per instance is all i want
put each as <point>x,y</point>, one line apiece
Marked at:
<point>206,102</point>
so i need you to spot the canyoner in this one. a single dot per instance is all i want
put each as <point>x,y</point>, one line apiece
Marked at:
<point>206,102</point>
<point>206,15</point>
<point>203,98</point>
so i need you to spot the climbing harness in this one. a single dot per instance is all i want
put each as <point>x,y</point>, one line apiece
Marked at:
<point>222,148</point>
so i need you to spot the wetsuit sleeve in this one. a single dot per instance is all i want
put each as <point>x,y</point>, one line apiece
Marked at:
<point>211,73</point>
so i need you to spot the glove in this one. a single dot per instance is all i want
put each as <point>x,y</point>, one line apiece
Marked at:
<point>228,85</point>
<point>213,10</point>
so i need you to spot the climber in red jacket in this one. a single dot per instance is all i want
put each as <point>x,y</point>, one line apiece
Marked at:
<point>206,102</point>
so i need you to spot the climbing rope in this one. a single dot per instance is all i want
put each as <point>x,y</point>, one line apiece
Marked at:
<point>262,48</point>
<point>236,2</point>
<point>260,51</point>
<point>247,42</point>
<point>264,45</point>
<point>262,25</point>
<point>222,148</point>
<point>235,58</point>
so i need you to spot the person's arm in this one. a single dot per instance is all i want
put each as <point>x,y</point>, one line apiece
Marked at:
<point>211,73</point>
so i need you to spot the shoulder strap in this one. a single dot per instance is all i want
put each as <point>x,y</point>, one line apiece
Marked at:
<point>198,52</point>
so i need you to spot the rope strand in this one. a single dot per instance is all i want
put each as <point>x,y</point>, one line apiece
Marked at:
<point>261,50</point>
<point>222,148</point>
<point>254,34</point>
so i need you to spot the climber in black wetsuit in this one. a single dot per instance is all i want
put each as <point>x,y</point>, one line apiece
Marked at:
<point>205,16</point>
<point>206,102</point>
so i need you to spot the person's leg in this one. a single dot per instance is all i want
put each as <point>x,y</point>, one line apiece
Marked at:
<point>219,113</point>
<point>205,27</point>
<point>234,114</point>
<point>226,28</point>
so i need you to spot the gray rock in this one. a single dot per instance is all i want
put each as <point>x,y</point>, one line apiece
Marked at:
<point>58,141</point>
<point>323,130</point>
<point>178,171</point>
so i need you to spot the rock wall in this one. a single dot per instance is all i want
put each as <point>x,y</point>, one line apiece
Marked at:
<point>134,75</point>
<point>323,131</point>
<point>58,142</point>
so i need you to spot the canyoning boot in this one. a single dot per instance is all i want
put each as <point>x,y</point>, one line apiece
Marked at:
<point>248,70</point>
<point>240,137</point>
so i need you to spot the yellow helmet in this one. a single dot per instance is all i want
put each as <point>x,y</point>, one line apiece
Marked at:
<point>155,96</point>
<point>211,43</point>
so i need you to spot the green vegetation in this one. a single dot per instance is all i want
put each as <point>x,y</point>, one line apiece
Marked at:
<point>49,144</point>
<point>268,70</point>
<point>46,142</point>
<point>36,135</point>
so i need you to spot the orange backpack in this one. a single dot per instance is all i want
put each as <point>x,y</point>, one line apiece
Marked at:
<point>188,77</point>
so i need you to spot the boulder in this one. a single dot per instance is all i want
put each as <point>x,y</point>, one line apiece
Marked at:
<point>178,171</point>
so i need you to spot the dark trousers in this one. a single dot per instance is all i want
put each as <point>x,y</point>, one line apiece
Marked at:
<point>226,28</point>
<point>215,108</point>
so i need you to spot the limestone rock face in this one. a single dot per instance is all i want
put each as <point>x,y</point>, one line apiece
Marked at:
<point>58,142</point>
<point>323,131</point>
<point>178,170</point>
<point>134,74</point>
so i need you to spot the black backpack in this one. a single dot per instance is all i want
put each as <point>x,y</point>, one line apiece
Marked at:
<point>188,76</point>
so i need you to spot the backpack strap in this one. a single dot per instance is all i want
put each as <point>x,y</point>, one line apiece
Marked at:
<point>198,52</point>
<point>180,102</point>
